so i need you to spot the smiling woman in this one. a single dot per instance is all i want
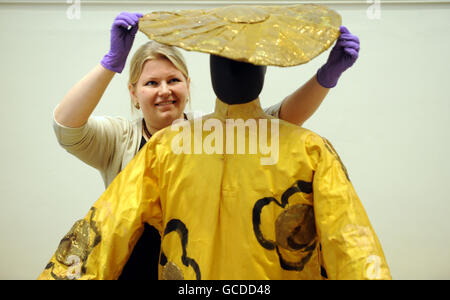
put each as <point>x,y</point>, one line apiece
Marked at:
<point>162,89</point>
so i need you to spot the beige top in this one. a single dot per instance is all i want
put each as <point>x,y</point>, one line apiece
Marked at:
<point>110,143</point>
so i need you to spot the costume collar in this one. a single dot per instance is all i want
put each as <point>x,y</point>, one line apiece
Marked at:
<point>249,110</point>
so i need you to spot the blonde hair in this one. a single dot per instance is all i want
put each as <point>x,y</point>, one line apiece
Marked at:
<point>154,50</point>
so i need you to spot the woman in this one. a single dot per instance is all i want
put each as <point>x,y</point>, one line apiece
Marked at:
<point>159,86</point>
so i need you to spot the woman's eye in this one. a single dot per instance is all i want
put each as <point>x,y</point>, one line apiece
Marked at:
<point>174,80</point>
<point>152,82</point>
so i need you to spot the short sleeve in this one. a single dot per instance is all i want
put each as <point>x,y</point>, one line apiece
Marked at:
<point>274,110</point>
<point>95,142</point>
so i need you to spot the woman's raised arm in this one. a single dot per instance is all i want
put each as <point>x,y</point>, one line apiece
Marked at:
<point>301,104</point>
<point>78,104</point>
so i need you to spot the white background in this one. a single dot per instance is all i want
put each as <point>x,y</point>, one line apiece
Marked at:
<point>388,118</point>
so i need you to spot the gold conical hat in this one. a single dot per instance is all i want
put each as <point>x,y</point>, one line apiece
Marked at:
<point>261,35</point>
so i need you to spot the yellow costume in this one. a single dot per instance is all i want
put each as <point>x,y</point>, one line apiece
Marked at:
<point>228,216</point>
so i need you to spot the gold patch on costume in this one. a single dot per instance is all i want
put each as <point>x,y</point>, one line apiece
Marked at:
<point>75,247</point>
<point>295,227</point>
<point>295,233</point>
<point>171,272</point>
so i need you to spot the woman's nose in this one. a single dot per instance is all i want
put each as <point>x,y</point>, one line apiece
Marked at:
<point>164,89</point>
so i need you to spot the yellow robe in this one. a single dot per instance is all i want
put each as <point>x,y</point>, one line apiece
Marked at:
<point>229,215</point>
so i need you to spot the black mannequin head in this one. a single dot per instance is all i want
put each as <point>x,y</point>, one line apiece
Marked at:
<point>236,82</point>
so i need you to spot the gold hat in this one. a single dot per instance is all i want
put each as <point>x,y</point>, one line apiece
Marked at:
<point>262,35</point>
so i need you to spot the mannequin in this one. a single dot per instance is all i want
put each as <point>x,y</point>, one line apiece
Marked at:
<point>225,216</point>
<point>236,82</point>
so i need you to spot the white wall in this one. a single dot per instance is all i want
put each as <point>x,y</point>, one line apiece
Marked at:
<point>388,119</point>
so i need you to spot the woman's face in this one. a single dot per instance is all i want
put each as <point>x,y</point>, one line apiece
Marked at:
<point>162,92</point>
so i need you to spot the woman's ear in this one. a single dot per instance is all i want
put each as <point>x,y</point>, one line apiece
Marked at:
<point>188,99</point>
<point>132,90</point>
<point>188,83</point>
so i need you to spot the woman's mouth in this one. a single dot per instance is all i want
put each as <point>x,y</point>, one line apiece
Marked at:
<point>165,103</point>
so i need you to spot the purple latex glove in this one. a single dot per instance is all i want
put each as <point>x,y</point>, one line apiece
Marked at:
<point>342,56</point>
<point>121,40</point>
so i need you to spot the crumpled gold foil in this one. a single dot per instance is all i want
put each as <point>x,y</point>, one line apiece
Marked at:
<point>171,272</point>
<point>295,227</point>
<point>262,35</point>
<point>76,242</point>
<point>70,258</point>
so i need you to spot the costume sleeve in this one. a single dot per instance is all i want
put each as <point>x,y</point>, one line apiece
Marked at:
<point>94,142</point>
<point>98,246</point>
<point>349,246</point>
